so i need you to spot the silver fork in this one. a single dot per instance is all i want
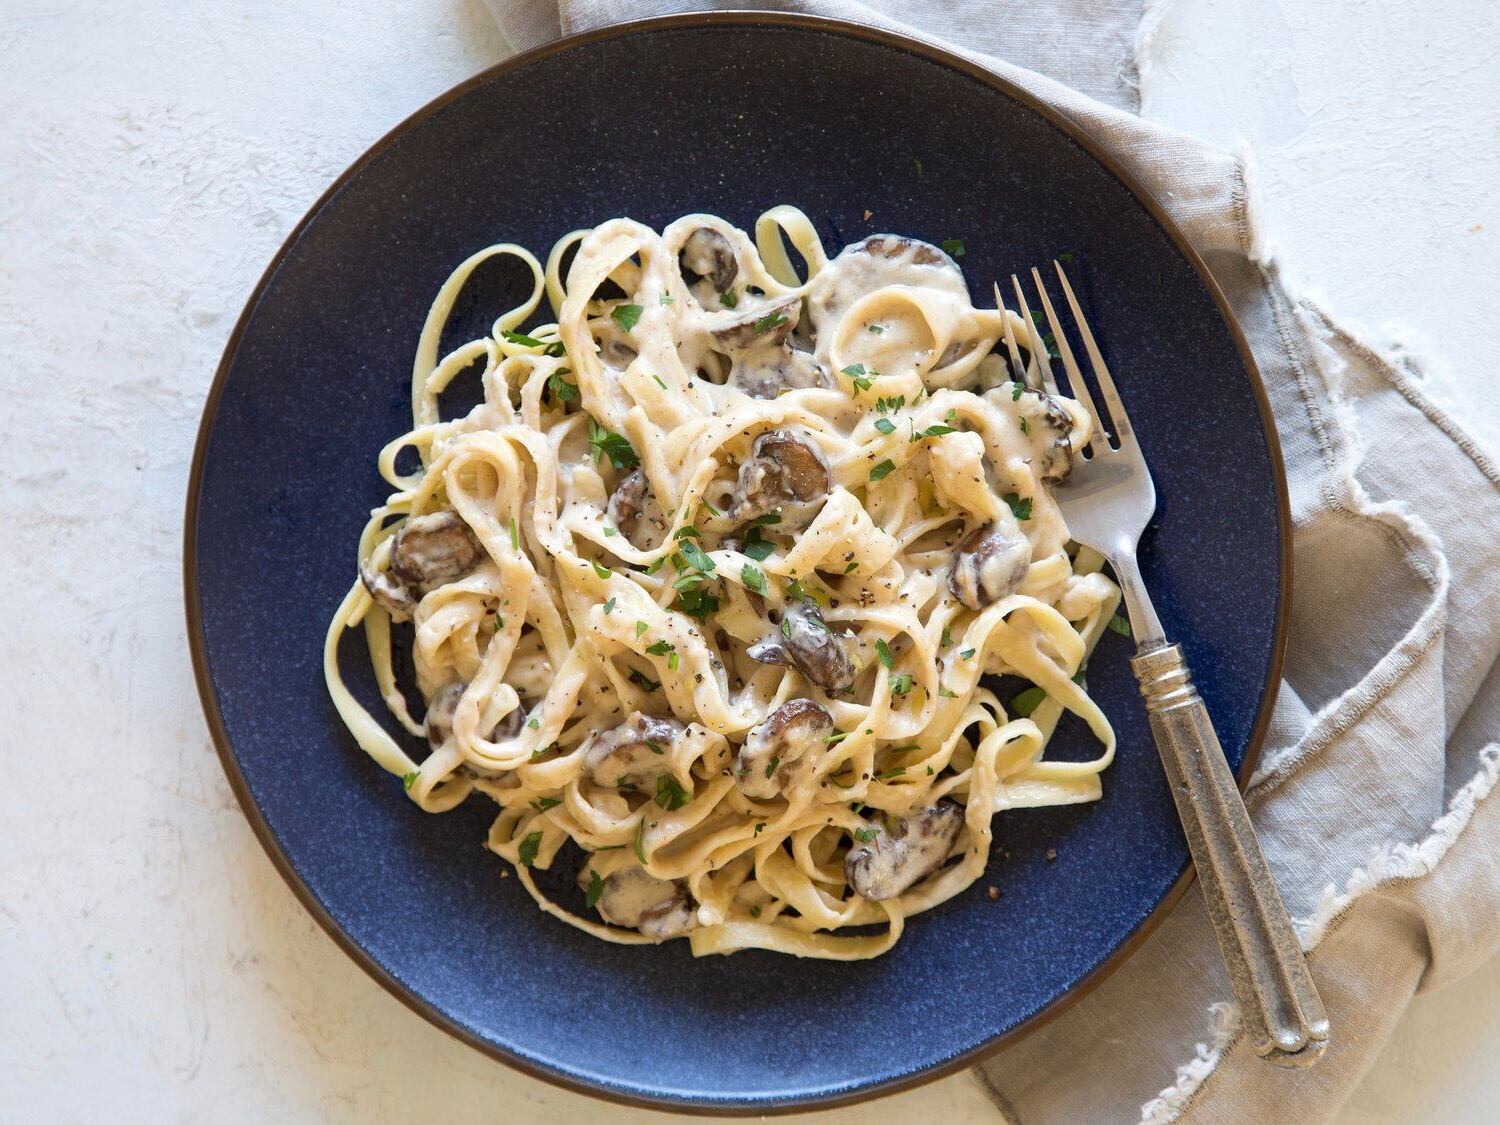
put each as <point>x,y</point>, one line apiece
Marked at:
<point>1107,501</point>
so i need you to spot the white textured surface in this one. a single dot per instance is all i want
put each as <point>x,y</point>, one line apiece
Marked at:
<point>152,962</point>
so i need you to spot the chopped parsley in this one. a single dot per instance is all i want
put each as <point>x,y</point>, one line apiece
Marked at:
<point>697,604</point>
<point>862,378</point>
<point>515,535</point>
<point>626,315</point>
<point>601,571</point>
<point>661,648</point>
<point>640,627</point>
<point>672,663</point>
<point>953,247</point>
<point>1025,426</point>
<point>640,840</point>
<point>1019,508</point>
<point>542,804</point>
<point>760,827</point>
<point>643,682</point>
<point>883,470</point>
<point>561,389</point>
<point>892,404</point>
<point>596,888</point>
<point>609,607</point>
<point>884,650</point>
<point>865,835</point>
<point>528,849</point>
<point>709,508</point>
<point>885,425</point>
<point>837,736</point>
<point>408,780</point>
<point>946,694</point>
<point>753,579</point>
<point>901,684</point>
<point>688,532</point>
<point>886,775</point>
<point>768,518</point>
<point>876,328</point>
<point>1026,702</point>
<point>697,557</point>
<point>654,746</point>
<point>757,546</point>
<point>932,431</point>
<point>851,568</point>
<point>768,322</point>
<point>966,653</point>
<point>947,638</point>
<point>553,349</point>
<point>1118,624</point>
<point>664,299</point>
<point>1015,392</point>
<point>771,766</point>
<point>729,299</point>
<point>615,446</point>
<point>659,382</point>
<point>610,533</point>
<point>755,912</point>
<point>670,795</point>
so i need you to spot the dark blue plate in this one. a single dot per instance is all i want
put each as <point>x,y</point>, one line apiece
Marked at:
<point>729,114</point>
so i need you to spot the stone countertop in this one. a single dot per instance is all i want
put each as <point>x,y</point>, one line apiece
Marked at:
<point>151,161</point>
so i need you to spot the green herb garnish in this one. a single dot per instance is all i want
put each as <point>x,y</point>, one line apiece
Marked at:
<point>615,446</point>
<point>596,888</point>
<point>609,607</point>
<point>884,651</point>
<point>953,247</point>
<point>643,682</point>
<point>669,794</point>
<point>528,848</point>
<point>901,684</point>
<point>883,470</point>
<point>601,571</point>
<point>626,315</point>
<point>885,425</point>
<point>729,299</point>
<point>661,648</point>
<point>1026,702</point>
<point>542,804</point>
<point>865,835</point>
<point>1118,624</point>
<point>753,578</point>
<point>768,322</point>
<point>561,389</point>
<point>408,780</point>
<point>757,546</point>
<point>1019,508</point>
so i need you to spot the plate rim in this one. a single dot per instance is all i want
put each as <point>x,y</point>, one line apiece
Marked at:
<point>208,699</point>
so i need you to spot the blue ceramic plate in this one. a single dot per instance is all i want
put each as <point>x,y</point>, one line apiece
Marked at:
<point>729,114</point>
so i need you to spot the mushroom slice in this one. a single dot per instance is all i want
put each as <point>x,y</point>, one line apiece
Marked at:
<point>786,369</point>
<point>807,643</point>
<point>989,564</point>
<point>707,254</point>
<point>633,754</point>
<point>639,901</point>
<point>786,471</point>
<point>915,847</point>
<point>1059,460</point>
<point>389,592</point>
<point>760,328</point>
<point>433,549</point>
<point>633,509</point>
<point>444,703</point>
<point>775,749</point>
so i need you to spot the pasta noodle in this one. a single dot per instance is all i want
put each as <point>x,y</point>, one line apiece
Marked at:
<point>714,582</point>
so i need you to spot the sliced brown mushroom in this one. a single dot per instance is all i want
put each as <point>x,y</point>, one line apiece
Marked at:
<point>433,549</point>
<point>766,375</point>
<point>786,471</point>
<point>760,328</point>
<point>989,564</point>
<point>914,847</point>
<point>395,596</point>
<point>634,510</point>
<point>776,749</point>
<point>805,641</point>
<point>636,900</point>
<point>427,552</point>
<point>634,754</point>
<point>444,703</point>
<point>899,248</point>
<point>708,254</point>
<point>1059,460</point>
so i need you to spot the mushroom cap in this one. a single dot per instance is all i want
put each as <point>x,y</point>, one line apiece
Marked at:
<point>989,564</point>
<point>916,846</point>
<point>787,739</point>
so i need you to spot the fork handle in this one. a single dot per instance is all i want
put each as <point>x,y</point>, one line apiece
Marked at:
<point>1280,1010</point>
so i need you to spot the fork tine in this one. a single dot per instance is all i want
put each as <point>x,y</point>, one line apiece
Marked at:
<point>1010,342</point>
<point>1070,365</point>
<point>1119,420</point>
<point>1034,340</point>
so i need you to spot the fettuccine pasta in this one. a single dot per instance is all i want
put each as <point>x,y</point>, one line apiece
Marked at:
<point>715,582</point>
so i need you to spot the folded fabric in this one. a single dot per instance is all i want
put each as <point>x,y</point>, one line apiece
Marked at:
<point>1371,797</point>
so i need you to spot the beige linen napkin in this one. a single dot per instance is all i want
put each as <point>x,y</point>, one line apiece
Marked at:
<point>1371,800</point>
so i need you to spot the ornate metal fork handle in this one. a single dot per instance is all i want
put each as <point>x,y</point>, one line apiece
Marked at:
<point>1107,502</point>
